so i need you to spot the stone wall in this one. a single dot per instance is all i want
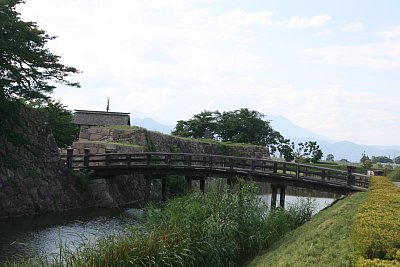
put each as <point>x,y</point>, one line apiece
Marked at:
<point>140,139</point>
<point>34,180</point>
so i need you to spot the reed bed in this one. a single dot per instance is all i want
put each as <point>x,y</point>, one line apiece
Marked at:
<point>220,228</point>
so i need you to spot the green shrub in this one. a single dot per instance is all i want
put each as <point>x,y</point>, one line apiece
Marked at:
<point>394,174</point>
<point>376,234</point>
<point>176,185</point>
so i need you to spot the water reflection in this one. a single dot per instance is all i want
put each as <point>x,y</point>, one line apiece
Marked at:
<point>43,234</point>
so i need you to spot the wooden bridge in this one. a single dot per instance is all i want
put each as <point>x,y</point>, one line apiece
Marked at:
<point>199,167</point>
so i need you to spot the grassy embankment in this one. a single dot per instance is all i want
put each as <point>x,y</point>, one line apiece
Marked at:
<point>214,229</point>
<point>362,230</point>
<point>324,241</point>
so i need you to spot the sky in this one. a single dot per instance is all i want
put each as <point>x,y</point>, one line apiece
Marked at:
<point>332,67</point>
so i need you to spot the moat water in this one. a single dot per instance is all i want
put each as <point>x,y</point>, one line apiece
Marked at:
<point>42,235</point>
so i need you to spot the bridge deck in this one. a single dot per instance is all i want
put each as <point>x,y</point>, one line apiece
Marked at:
<point>199,165</point>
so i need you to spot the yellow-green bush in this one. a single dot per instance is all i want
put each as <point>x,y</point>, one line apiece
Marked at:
<point>376,233</point>
<point>376,263</point>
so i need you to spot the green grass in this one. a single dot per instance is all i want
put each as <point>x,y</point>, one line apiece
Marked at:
<point>323,241</point>
<point>394,175</point>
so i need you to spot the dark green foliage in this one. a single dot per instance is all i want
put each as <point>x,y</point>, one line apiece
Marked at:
<point>396,160</point>
<point>176,185</point>
<point>10,120</point>
<point>366,164</point>
<point>174,149</point>
<point>330,158</point>
<point>364,157</point>
<point>27,67</point>
<point>238,126</point>
<point>286,151</point>
<point>60,120</point>
<point>202,125</point>
<point>82,178</point>
<point>247,126</point>
<point>28,70</point>
<point>381,159</point>
<point>394,175</point>
<point>150,147</point>
<point>302,152</point>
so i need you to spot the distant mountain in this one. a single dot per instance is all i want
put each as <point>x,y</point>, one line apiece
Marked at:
<point>151,124</point>
<point>290,130</point>
<point>340,150</point>
<point>353,152</point>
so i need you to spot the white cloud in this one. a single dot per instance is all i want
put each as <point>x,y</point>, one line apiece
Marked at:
<point>353,27</point>
<point>390,32</point>
<point>238,18</point>
<point>171,59</point>
<point>380,56</point>
<point>316,21</point>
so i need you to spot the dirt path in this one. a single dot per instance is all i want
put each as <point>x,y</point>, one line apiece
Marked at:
<point>397,183</point>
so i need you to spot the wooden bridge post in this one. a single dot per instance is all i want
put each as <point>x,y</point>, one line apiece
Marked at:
<point>86,156</point>
<point>202,184</point>
<point>274,193</point>
<point>129,159</point>
<point>70,152</point>
<point>253,165</point>
<point>148,157</point>
<point>275,167</point>
<point>282,195</point>
<point>108,158</point>
<point>147,188</point>
<point>164,189</point>
<point>188,183</point>
<point>350,178</point>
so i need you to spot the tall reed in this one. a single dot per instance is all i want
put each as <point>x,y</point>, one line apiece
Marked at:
<point>219,228</point>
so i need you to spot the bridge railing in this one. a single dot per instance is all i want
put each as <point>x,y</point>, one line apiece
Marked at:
<point>217,162</point>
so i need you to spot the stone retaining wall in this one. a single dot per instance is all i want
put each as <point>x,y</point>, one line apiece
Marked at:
<point>151,141</point>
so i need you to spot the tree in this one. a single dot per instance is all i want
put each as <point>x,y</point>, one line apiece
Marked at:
<point>246,126</point>
<point>27,68</point>
<point>201,125</point>
<point>330,158</point>
<point>238,126</point>
<point>367,164</point>
<point>60,121</point>
<point>307,152</point>
<point>381,159</point>
<point>364,157</point>
<point>285,149</point>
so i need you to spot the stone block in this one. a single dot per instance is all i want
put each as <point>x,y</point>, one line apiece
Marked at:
<point>96,137</point>
<point>79,145</point>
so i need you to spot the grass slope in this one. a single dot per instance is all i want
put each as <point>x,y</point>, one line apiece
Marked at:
<point>323,241</point>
